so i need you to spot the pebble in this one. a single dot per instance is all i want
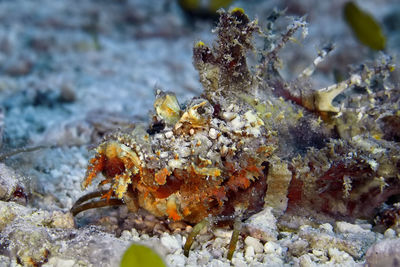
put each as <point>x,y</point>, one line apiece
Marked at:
<point>326,227</point>
<point>62,220</point>
<point>384,253</point>
<point>306,261</point>
<point>272,247</point>
<point>169,134</point>
<point>5,261</point>
<point>263,225</point>
<point>255,243</point>
<point>318,252</point>
<point>58,262</point>
<point>239,262</point>
<point>175,260</point>
<point>170,243</point>
<point>390,233</point>
<point>213,133</point>
<point>249,253</point>
<point>219,263</point>
<point>338,257</point>
<point>272,261</point>
<point>126,235</point>
<point>11,183</point>
<point>222,233</point>
<point>345,227</point>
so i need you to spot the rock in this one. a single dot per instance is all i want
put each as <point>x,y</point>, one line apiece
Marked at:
<point>345,227</point>
<point>35,236</point>
<point>13,186</point>
<point>306,261</point>
<point>62,220</point>
<point>338,257</point>
<point>272,260</point>
<point>272,247</point>
<point>170,243</point>
<point>263,225</point>
<point>390,233</point>
<point>255,243</point>
<point>4,261</point>
<point>384,253</point>
<point>219,263</point>
<point>296,248</point>
<point>175,260</point>
<point>9,211</point>
<point>326,227</point>
<point>239,262</point>
<point>354,244</point>
<point>59,262</point>
<point>249,253</point>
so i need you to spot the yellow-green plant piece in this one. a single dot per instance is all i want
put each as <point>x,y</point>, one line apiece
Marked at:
<point>364,26</point>
<point>139,255</point>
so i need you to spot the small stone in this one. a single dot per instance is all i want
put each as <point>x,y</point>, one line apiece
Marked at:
<point>306,261</point>
<point>222,233</point>
<point>126,235</point>
<point>239,262</point>
<point>384,253</point>
<point>298,247</point>
<point>272,260</point>
<point>249,253</point>
<point>326,227</point>
<point>170,243</point>
<point>229,115</point>
<point>62,220</point>
<point>237,123</point>
<point>175,260</point>
<point>390,233</point>
<point>263,225</point>
<point>164,155</point>
<point>219,263</point>
<point>318,252</point>
<point>213,133</point>
<point>67,93</point>
<point>5,261</point>
<point>345,227</point>
<point>203,258</point>
<point>255,243</point>
<point>59,262</point>
<point>272,247</point>
<point>13,186</point>
<point>184,152</point>
<point>134,233</point>
<point>169,134</point>
<point>339,257</point>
